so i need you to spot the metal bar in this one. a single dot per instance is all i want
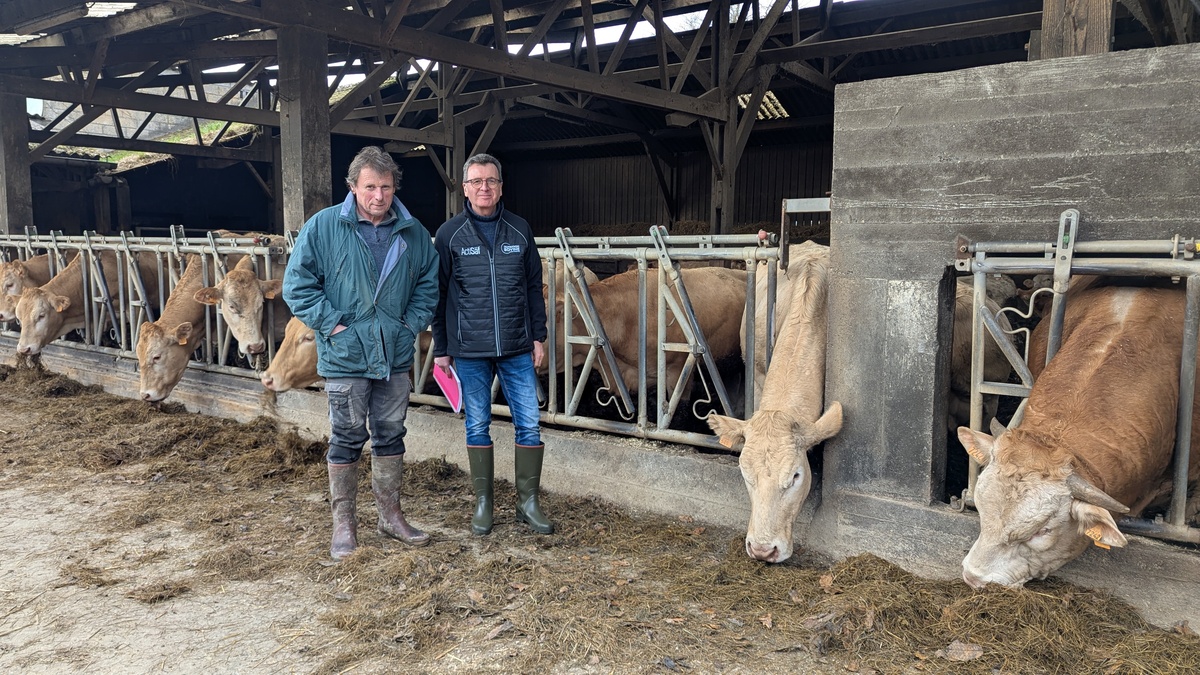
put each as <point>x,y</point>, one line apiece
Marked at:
<point>1187,395</point>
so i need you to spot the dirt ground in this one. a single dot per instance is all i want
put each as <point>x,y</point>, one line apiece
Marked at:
<point>146,539</point>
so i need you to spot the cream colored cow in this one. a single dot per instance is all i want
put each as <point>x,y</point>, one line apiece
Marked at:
<point>295,362</point>
<point>776,439</point>
<point>1097,437</point>
<point>165,346</point>
<point>56,308</point>
<point>17,275</point>
<point>242,297</point>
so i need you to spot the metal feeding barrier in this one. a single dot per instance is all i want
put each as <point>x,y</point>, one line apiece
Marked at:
<point>1061,258</point>
<point>583,332</point>
<point>114,315</point>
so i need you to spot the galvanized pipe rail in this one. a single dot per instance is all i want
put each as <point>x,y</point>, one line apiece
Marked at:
<point>1063,257</point>
<point>127,305</point>
<point>572,252</point>
<point>667,251</point>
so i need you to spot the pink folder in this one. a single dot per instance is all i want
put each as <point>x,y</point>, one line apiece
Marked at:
<point>451,386</point>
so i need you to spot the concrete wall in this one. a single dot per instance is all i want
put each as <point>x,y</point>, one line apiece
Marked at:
<point>993,153</point>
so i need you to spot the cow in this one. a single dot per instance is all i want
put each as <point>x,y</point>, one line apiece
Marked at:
<point>242,296</point>
<point>776,439</point>
<point>17,275</point>
<point>165,346</point>
<point>56,308</point>
<point>1097,437</point>
<point>996,367</point>
<point>717,294</point>
<point>295,362</point>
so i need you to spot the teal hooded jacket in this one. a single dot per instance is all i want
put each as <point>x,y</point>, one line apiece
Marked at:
<point>331,278</point>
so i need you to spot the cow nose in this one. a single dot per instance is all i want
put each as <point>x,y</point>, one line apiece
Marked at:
<point>24,350</point>
<point>268,381</point>
<point>973,581</point>
<point>767,552</point>
<point>256,348</point>
<point>146,396</point>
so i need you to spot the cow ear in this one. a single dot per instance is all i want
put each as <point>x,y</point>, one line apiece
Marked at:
<point>18,268</point>
<point>979,445</point>
<point>271,288</point>
<point>208,296</point>
<point>829,424</point>
<point>732,431</point>
<point>182,332</point>
<point>1097,524</point>
<point>60,302</point>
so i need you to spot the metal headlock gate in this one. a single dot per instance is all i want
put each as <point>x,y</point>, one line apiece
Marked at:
<point>1175,257</point>
<point>113,316</point>
<point>129,306</point>
<point>674,304</point>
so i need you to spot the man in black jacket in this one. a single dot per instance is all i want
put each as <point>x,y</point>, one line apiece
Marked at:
<point>491,320</point>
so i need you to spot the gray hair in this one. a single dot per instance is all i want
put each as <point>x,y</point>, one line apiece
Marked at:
<point>483,158</point>
<point>378,161</point>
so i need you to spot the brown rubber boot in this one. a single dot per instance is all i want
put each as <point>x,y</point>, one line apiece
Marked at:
<point>343,498</point>
<point>386,478</point>
<point>528,461</point>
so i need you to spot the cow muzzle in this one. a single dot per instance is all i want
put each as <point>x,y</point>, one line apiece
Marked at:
<point>769,552</point>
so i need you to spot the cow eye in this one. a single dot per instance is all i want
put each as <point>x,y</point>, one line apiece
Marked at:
<point>791,483</point>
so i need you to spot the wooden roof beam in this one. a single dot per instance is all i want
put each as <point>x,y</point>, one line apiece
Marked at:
<point>364,30</point>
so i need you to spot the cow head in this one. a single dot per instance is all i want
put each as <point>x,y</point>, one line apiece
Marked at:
<point>240,296</point>
<point>774,463</point>
<point>41,315</point>
<point>1034,516</point>
<point>162,358</point>
<point>14,279</point>
<point>295,362</point>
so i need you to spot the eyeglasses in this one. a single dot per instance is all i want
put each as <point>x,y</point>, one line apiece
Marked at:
<point>479,182</point>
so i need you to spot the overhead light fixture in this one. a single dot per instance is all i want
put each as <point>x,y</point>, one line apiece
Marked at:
<point>44,22</point>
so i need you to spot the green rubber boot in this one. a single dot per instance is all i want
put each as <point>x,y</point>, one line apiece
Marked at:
<point>483,470</point>
<point>528,465</point>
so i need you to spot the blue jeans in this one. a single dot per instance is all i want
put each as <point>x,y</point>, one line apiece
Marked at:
<point>518,381</point>
<point>355,403</point>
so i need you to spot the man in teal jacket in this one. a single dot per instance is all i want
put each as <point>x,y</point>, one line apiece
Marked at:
<point>363,276</point>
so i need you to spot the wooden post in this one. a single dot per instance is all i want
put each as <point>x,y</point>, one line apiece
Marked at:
<point>16,184</point>
<point>303,124</point>
<point>1076,27</point>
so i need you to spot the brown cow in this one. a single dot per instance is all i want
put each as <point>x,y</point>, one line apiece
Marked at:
<point>165,346</point>
<point>295,362</point>
<point>789,422</point>
<point>17,275</point>
<point>242,297</point>
<point>56,308</point>
<point>1097,437</point>
<point>996,367</point>
<point>717,295</point>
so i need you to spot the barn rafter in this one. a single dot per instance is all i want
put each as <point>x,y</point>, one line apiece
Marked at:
<point>445,78</point>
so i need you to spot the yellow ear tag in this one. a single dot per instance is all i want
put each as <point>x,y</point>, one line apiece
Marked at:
<point>1094,533</point>
<point>183,341</point>
<point>725,442</point>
